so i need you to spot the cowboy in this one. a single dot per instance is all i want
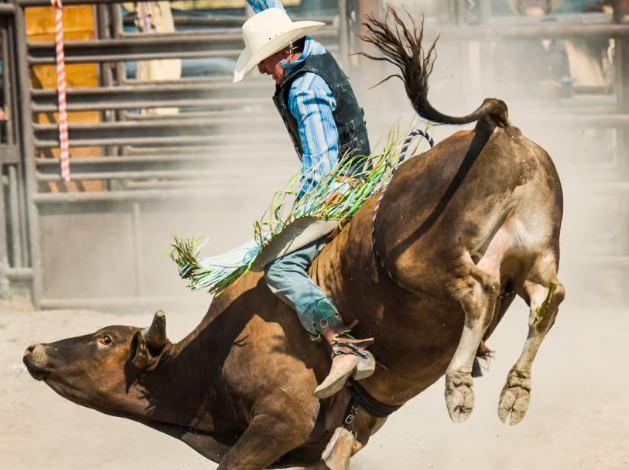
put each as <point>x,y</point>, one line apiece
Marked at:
<point>323,118</point>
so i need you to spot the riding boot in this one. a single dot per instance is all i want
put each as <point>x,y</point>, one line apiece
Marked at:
<point>348,358</point>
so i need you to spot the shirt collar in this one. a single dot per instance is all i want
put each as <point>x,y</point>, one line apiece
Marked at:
<point>290,67</point>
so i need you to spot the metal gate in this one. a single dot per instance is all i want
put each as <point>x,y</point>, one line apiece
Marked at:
<point>16,253</point>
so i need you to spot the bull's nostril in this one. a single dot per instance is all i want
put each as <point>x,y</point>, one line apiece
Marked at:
<point>35,361</point>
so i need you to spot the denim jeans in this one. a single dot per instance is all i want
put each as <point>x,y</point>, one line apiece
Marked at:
<point>288,278</point>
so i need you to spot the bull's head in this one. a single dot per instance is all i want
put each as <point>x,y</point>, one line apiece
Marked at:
<point>98,370</point>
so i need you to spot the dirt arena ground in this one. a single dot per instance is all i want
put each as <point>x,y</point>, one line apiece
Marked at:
<point>579,415</point>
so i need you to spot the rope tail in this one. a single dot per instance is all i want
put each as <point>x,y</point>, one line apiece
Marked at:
<point>402,47</point>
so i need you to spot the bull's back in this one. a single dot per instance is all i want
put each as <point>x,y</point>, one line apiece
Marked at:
<point>452,200</point>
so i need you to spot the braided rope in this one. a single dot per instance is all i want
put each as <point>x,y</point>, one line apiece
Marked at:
<point>401,160</point>
<point>409,139</point>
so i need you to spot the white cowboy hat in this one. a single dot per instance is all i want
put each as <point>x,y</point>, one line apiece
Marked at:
<point>266,33</point>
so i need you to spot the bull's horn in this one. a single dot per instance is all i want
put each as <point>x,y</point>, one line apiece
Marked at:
<point>155,335</point>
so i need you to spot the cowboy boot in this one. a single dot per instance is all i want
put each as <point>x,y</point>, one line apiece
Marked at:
<point>348,358</point>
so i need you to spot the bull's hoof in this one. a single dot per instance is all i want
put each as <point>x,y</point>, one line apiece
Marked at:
<point>337,454</point>
<point>459,395</point>
<point>515,397</point>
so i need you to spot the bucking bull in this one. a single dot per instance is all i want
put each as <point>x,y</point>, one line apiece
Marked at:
<point>462,229</point>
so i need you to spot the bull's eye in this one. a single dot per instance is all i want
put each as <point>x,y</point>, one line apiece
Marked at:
<point>106,340</point>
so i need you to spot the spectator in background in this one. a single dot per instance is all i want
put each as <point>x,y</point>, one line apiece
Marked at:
<point>592,59</point>
<point>598,6</point>
<point>537,68</point>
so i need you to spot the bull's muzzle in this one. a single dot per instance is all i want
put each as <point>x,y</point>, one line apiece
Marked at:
<point>34,359</point>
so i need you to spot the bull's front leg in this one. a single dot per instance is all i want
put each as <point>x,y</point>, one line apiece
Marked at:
<point>476,290</point>
<point>543,292</point>
<point>268,437</point>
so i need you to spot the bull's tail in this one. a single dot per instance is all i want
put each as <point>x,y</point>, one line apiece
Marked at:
<point>484,353</point>
<point>402,47</point>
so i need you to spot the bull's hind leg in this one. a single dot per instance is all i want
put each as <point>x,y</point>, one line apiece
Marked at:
<point>476,289</point>
<point>543,292</point>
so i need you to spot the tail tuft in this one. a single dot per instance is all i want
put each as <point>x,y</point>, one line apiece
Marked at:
<point>477,371</point>
<point>402,47</point>
<point>483,353</point>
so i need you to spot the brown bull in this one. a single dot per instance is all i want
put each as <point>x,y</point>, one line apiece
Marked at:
<point>461,231</point>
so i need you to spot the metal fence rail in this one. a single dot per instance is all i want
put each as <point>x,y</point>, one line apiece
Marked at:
<point>142,96</point>
<point>159,46</point>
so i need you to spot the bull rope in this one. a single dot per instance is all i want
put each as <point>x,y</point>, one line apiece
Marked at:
<point>401,160</point>
<point>64,145</point>
<point>370,176</point>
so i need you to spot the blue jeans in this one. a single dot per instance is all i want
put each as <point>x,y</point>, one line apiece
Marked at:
<point>288,278</point>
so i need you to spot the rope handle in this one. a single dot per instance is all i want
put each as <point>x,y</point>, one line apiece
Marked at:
<point>409,139</point>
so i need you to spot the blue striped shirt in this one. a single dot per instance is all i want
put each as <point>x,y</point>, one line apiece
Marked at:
<point>311,102</point>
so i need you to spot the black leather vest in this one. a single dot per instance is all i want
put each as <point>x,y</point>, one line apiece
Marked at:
<point>348,115</point>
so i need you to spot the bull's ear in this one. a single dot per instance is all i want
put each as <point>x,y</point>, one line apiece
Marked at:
<point>139,354</point>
